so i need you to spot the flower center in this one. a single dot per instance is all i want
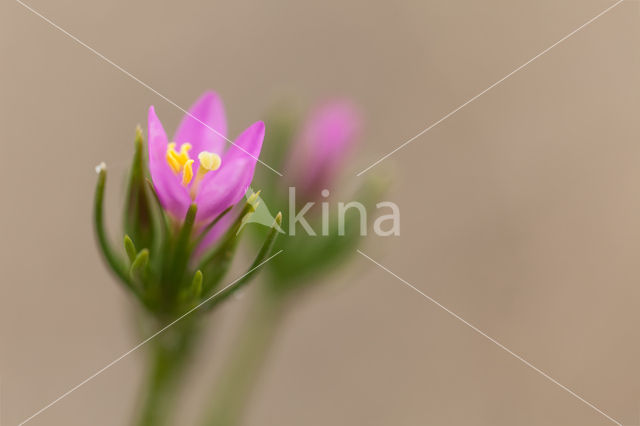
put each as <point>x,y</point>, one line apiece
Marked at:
<point>181,163</point>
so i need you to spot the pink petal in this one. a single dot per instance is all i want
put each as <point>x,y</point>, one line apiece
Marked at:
<point>226,186</point>
<point>206,126</point>
<point>247,145</point>
<point>173,196</point>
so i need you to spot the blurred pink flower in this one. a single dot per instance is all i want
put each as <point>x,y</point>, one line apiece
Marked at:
<point>326,138</point>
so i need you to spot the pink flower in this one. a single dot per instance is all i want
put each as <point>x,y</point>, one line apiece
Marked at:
<point>326,138</point>
<point>194,167</point>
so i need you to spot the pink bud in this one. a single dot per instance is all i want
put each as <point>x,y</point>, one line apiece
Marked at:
<point>319,151</point>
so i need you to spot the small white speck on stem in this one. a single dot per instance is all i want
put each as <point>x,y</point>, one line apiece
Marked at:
<point>100,167</point>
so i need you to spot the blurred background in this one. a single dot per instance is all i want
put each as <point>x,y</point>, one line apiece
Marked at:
<point>521,212</point>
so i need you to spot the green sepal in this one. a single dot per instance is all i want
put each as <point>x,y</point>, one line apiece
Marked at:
<point>191,295</point>
<point>182,247</point>
<point>138,215</point>
<point>113,261</point>
<point>139,267</point>
<point>267,246</point>
<point>264,255</point>
<point>196,284</point>
<point>210,226</point>
<point>166,225</point>
<point>217,261</point>
<point>184,235</point>
<point>130,248</point>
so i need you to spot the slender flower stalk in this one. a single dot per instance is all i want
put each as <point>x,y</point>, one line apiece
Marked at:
<point>235,385</point>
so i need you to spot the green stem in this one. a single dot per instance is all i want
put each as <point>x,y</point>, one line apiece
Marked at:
<point>234,388</point>
<point>167,362</point>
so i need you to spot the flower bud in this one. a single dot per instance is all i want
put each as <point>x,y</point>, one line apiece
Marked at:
<point>138,219</point>
<point>321,147</point>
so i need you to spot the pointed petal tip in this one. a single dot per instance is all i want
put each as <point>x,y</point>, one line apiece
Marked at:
<point>205,124</point>
<point>154,126</point>
<point>247,145</point>
<point>256,130</point>
<point>152,118</point>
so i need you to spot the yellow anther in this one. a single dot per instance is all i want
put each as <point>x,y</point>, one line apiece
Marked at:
<point>209,161</point>
<point>187,172</point>
<point>171,158</point>
<point>177,160</point>
<point>183,156</point>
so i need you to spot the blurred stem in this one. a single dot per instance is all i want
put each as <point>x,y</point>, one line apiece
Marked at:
<point>167,360</point>
<point>241,372</point>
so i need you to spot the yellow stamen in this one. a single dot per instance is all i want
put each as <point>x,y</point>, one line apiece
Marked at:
<point>172,158</point>
<point>184,153</point>
<point>187,172</point>
<point>177,160</point>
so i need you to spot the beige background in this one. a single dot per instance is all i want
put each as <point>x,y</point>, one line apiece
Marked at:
<point>521,212</point>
